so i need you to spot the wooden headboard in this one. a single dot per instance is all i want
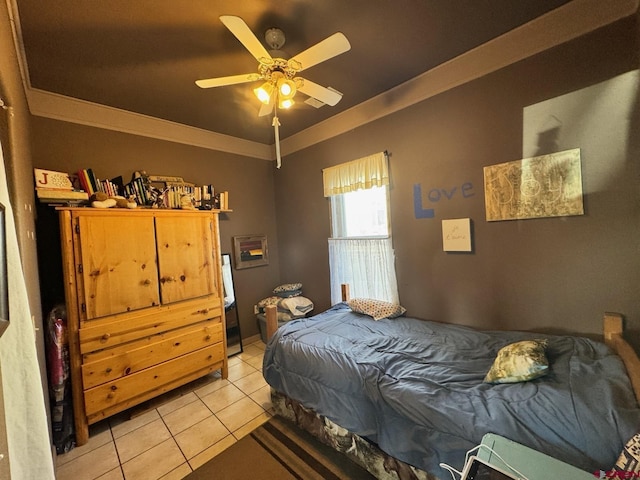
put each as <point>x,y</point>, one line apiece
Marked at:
<point>613,327</point>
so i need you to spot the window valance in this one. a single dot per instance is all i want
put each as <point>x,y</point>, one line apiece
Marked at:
<point>367,172</point>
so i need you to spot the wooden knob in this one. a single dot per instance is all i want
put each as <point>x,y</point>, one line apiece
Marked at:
<point>110,395</point>
<point>127,370</point>
<point>105,337</point>
<point>147,282</point>
<point>208,337</point>
<point>109,370</point>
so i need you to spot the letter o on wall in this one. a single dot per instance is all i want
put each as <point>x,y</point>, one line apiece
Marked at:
<point>436,197</point>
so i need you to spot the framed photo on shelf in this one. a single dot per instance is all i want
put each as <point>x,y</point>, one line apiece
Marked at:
<point>250,251</point>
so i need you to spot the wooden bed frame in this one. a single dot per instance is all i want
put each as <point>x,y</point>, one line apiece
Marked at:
<point>613,336</point>
<point>613,328</point>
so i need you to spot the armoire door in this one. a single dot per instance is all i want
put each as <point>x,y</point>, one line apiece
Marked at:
<point>117,264</point>
<point>185,257</point>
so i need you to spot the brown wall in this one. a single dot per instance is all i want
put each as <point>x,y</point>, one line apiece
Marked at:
<point>69,147</point>
<point>553,273</point>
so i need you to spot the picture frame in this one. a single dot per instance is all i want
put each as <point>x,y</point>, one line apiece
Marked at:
<point>456,235</point>
<point>250,251</point>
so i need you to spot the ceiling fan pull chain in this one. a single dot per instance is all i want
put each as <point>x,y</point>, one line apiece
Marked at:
<point>276,124</point>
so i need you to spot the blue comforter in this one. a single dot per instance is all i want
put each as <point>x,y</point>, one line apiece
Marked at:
<point>416,389</point>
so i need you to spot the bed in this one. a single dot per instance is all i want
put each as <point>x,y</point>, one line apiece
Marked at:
<point>402,395</point>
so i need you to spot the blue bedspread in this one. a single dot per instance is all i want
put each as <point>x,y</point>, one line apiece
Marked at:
<point>416,389</point>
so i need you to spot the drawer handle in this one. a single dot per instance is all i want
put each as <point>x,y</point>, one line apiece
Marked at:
<point>204,311</point>
<point>146,282</point>
<point>167,279</point>
<point>127,370</point>
<point>109,370</point>
<point>209,357</point>
<point>208,337</point>
<point>110,395</point>
<point>105,337</point>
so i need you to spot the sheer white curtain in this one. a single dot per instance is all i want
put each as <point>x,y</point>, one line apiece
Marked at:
<point>367,265</point>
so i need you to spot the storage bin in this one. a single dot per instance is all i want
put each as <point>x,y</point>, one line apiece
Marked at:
<point>262,324</point>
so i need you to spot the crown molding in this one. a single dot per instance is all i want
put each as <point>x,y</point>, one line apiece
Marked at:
<point>68,109</point>
<point>561,25</point>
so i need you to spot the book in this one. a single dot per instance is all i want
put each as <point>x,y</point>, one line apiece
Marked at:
<point>84,181</point>
<point>224,200</point>
<point>92,180</point>
<point>45,194</point>
<point>165,178</point>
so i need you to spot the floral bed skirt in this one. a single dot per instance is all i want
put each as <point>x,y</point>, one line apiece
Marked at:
<point>356,448</point>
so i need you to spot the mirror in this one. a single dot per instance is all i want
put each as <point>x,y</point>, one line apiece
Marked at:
<point>234,341</point>
<point>4,281</point>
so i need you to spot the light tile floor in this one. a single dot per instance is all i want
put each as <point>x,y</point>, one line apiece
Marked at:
<point>169,437</point>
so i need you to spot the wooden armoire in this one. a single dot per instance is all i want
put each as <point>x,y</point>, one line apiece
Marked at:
<point>145,311</point>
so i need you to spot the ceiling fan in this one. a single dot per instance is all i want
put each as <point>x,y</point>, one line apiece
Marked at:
<point>279,75</point>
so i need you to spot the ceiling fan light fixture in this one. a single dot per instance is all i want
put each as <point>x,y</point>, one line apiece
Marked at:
<point>286,103</point>
<point>264,92</point>
<point>286,88</point>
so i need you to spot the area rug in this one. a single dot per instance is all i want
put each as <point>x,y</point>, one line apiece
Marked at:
<point>279,450</point>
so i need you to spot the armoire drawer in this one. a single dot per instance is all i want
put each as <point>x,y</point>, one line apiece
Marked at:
<point>130,386</point>
<point>118,329</point>
<point>129,358</point>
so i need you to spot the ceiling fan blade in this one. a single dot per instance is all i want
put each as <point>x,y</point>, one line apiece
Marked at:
<point>324,50</point>
<point>231,80</point>
<point>330,97</point>
<point>242,32</point>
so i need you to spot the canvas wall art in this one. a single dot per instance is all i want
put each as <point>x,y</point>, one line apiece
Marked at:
<point>537,187</point>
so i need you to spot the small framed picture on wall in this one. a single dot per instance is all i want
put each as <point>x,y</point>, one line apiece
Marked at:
<point>456,235</point>
<point>250,251</point>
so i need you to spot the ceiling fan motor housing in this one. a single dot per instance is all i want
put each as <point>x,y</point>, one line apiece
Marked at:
<point>275,38</point>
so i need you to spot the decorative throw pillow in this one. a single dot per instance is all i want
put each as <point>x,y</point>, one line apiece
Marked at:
<point>519,362</point>
<point>376,309</point>
<point>287,287</point>
<point>629,459</point>
<point>265,302</point>
<point>289,293</point>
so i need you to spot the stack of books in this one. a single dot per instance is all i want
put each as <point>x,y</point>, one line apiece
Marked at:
<point>56,188</point>
<point>91,184</point>
<point>222,200</point>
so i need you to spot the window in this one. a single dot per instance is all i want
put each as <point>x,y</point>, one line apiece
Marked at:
<point>360,249</point>
<point>362,213</point>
